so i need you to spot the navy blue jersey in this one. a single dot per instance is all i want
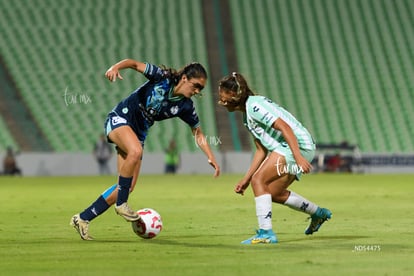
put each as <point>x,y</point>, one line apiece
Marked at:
<point>154,101</point>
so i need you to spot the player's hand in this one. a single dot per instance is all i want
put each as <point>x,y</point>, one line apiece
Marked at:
<point>304,164</point>
<point>214,164</point>
<point>241,187</point>
<point>112,74</point>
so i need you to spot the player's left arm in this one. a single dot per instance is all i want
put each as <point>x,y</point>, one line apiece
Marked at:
<point>205,147</point>
<point>258,158</point>
<point>113,72</point>
<point>287,133</point>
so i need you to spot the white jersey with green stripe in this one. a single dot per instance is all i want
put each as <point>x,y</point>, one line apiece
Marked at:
<point>260,115</point>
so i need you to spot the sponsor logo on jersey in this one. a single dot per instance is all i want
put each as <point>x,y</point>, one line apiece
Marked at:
<point>118,120</point>
<point>148,114</point>
<point>174,110</point>
<point>267,118</point>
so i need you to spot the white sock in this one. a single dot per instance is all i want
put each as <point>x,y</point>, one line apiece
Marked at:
<point>264,211</point>
<point>300,203</point>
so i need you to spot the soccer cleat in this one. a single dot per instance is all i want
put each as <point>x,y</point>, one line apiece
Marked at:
<point>317,219</point>
<point>262,236</point>
<point>127,213</point>
<point>81,226</point>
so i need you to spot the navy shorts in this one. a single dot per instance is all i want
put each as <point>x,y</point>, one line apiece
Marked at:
<point>114,121</point>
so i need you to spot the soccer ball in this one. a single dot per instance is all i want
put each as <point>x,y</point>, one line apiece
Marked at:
<point>150,224</point>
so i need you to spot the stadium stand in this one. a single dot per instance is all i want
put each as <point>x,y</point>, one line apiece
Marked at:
<point>58,51</point>
<point>342,67</point>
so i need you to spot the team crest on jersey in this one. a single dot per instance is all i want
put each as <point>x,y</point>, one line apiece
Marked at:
<point>174,110</point>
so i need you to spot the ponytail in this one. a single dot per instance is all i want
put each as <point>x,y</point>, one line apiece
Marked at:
<point>236,83</point>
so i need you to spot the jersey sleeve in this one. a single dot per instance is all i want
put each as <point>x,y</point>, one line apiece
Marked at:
<point>263,111</point>
<point>189,115</point>
<point>153,72</point>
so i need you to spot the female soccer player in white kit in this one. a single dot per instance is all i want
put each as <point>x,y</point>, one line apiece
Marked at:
<point>284,150</point>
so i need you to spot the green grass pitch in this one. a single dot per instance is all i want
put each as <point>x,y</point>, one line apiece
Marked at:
<point>370,232</point>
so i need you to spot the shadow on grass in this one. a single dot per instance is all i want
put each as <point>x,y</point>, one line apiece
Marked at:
<point>232,241</point>
<point>328,238</point>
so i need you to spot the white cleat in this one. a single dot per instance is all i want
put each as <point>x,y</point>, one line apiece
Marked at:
<point>127,213</point>
<point>82,226</point>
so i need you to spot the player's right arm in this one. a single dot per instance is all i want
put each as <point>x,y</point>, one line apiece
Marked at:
<point>258,158</point>
<point>113,72</point>
<point>292,141</point>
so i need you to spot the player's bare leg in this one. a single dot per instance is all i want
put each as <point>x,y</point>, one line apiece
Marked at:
<point>129,161</point>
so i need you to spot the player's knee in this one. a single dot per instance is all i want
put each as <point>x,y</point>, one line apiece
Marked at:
<point>279,197</point>
<point>256,181</point>
<point>134,155</point>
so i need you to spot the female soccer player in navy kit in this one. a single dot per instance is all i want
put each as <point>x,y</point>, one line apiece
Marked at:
<point>284,150</point>
<point>166,94</point>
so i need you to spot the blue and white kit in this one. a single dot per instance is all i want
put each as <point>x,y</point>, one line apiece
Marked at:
<point>152,101</point>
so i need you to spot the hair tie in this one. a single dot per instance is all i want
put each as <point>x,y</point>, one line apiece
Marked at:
<point>234,74</point>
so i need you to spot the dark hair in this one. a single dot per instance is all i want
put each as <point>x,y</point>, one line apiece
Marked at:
<point>191,70</point>
<point>236,83</point>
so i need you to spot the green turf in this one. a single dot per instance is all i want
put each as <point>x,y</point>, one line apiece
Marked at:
<point>204,221</point>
